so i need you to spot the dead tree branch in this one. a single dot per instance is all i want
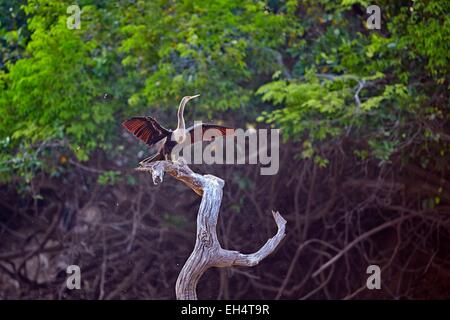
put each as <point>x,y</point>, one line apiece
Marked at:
<point>207,250</point>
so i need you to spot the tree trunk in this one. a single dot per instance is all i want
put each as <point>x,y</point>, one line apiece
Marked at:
<point>207,250</point>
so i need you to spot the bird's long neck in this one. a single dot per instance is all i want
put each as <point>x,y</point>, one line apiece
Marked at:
<point>181,124</point>
<point>179,133</point>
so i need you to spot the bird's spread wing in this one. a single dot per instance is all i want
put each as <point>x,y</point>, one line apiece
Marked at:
<point>146,129</point>
<point>218,131</point>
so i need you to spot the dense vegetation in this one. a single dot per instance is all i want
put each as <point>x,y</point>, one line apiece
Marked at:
<point>364,116</point>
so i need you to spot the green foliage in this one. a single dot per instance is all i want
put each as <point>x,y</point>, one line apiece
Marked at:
<point>110,177</point>
<point>152,52</point>
<point>311,105</point>
<point>391,73</point>
<point>312,67</point>
<point>214,48</point>
<point>51,94</point>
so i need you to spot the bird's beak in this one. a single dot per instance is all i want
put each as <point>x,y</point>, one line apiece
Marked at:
<point>192,97</point>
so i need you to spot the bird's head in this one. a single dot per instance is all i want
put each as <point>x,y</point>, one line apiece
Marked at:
<point>180,133</point>
<point>187,98</point>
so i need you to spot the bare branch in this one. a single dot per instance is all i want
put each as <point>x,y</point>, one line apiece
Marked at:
<point>207,250</point>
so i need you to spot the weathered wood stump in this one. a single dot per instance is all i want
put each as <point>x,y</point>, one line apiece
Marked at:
<point>207,251</point>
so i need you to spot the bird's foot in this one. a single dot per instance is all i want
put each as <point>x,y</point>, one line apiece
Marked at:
<point>150,159</point>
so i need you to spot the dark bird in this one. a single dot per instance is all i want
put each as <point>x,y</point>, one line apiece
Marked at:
<point>151,132</point>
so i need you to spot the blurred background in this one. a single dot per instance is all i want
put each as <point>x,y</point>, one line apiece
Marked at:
<point>364,165</point>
